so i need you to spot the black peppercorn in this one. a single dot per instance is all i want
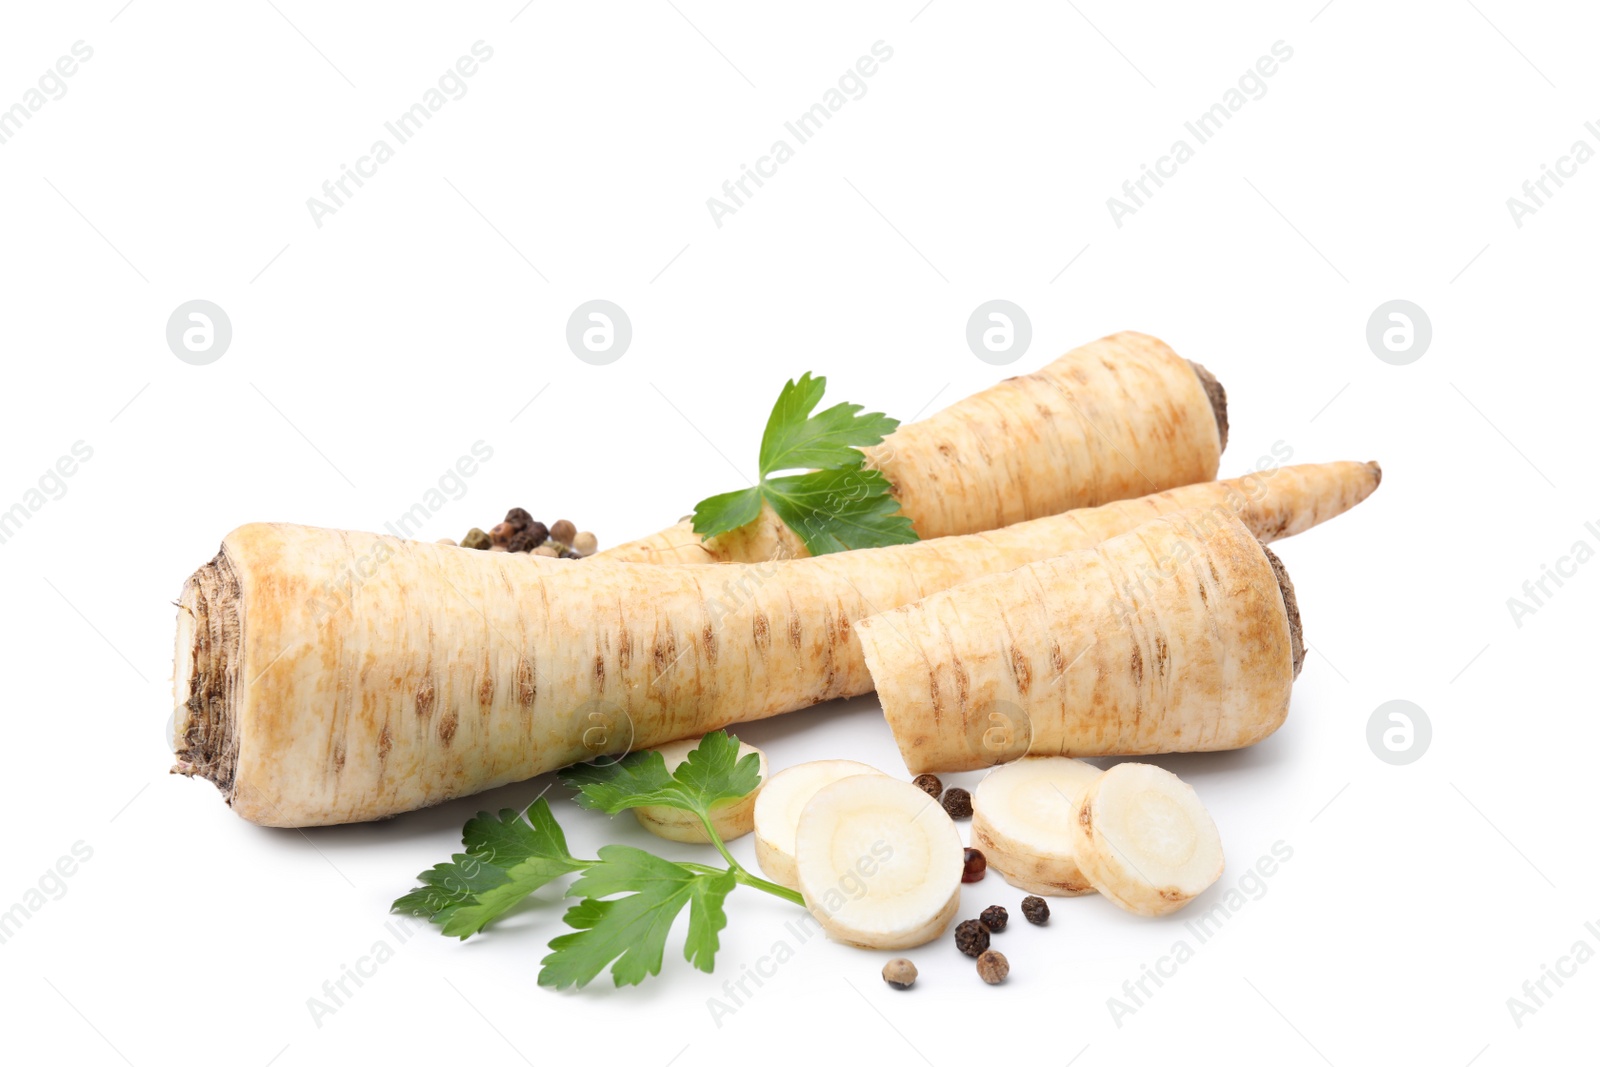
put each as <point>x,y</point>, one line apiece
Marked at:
<point>519,519</point>
<point>971,937</point>
<point>929,784</point>
<point>957,803</point>
<point>528,538</point>
<point>1036,910</point>
<point>994,918</point>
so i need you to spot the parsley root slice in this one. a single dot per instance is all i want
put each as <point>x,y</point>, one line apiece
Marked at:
<point>1182,635</point>
<point>1145,841</point>
<point>778,807</point>
<point>1114,419</point>
<point>325,676</point>
<point>1022,816</point>
<point>879,862</point>
<point>730,818</point>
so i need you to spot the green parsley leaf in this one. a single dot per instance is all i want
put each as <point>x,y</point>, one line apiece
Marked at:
<point>840,509</point>
<point>797,439</point>
<point>507,857</point>
<point>630,932</point>
<point>836,506</point>
<point>713,774</point>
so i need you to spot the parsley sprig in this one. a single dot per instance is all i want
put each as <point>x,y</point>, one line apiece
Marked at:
<point>837,505</point>
<point>628,899</point>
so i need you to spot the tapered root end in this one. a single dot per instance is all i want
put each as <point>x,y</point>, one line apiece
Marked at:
<point>1297,642</point>
<point>1218,397</point>
<point>205,683</point>
<point>1377,473</point>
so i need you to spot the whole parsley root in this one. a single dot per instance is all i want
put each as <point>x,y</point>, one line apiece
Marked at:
<point>325,676</point>
<point>1117,418</point>
<point>1181,636</point>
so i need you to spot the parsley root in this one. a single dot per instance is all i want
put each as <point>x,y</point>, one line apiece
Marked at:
<point>1116,418</point>
<point>324,676</point>
<point>1181,635</point>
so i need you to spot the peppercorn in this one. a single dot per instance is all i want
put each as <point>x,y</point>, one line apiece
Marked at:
<point>546,550</point>
<point>973,865</point>
<point>957,803</point>
<point>900,973</point>
<point>585,543</point>
<point>528,538</point>
<point>569,554</point>
<point>563,531</point>
<point>1037,911</point>
<point>451,541</point>
<point>971,937</point>
<point>994,918</point>
<point>475,538</point>
<point>929,784</point>
<point>519,519</point>
<point>497,548</point>
<point>501,532</point>
<point>993,967</point>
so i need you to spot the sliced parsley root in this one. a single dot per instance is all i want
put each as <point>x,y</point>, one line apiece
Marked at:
<point>628,898</point>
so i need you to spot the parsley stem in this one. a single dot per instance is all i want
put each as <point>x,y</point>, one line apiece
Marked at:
<point>743,876</point>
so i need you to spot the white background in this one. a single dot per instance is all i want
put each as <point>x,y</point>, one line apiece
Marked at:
<point>425,314</point>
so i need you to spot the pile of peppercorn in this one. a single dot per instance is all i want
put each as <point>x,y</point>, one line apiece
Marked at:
<point>521,532</point>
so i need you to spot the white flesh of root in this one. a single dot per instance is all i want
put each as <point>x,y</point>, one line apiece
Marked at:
<point>1022,816</point>
<point>1144,840</point>
<point>777,812</point>
<point>731,819</point>
<point>879,862</point>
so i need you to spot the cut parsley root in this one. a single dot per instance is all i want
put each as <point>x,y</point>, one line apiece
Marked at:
<point>1117,418</point>
<point>731,818</point>
<point>325,677</point>
<point>1022,815</point>
<point>628,898</point>
<point>1144,840</point>
<point>778,807</point>
<point>1182,635</point>
<point>879,862</point>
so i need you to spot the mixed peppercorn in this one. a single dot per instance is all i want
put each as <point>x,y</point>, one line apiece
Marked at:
<point>972,936</point>
<point>521,532</point>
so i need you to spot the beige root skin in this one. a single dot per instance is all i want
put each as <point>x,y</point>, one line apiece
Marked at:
<point>326,676</point>
<point>1173,637</point>
<point>375,675</point>
<point>1115,419</point>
